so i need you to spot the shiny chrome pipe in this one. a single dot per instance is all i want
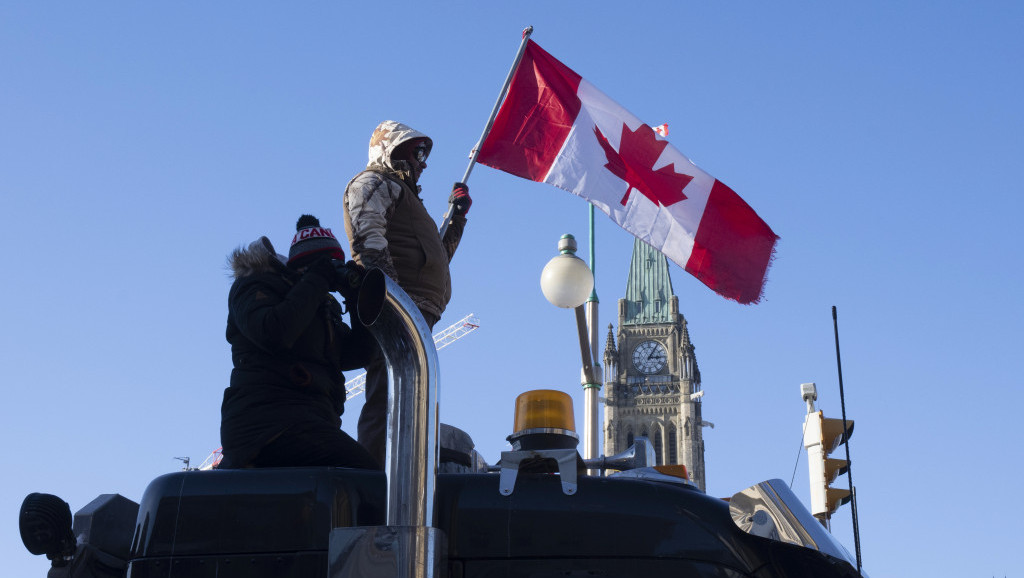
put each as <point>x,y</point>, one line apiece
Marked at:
<point>771,510</point>
<point>411,462</point>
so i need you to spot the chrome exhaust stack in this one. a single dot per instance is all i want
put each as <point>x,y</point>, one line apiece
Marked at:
<point>409,546</point>
<point>411,462</point>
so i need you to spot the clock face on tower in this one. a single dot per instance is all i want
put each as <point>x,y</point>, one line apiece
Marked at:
<point>649,357</point>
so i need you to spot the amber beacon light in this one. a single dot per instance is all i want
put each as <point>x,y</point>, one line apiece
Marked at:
<point>544,420</point>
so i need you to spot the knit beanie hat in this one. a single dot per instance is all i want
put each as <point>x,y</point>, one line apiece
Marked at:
<point>313,241</point>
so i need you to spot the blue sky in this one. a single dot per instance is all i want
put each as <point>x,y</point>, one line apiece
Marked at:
<point>141,143</point>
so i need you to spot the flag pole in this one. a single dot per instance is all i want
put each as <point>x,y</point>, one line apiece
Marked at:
<point>490,123</point>
<point>591,437</point>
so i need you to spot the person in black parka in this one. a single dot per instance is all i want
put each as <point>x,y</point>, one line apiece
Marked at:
<point>289,346</point>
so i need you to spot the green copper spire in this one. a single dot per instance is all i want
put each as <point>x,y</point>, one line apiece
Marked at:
<point>649,288</point>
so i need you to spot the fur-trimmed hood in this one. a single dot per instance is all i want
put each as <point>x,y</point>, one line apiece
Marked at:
<point>258,257</point>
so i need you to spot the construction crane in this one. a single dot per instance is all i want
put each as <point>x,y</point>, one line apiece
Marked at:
<point>357,385</point>
<point>442,339</point>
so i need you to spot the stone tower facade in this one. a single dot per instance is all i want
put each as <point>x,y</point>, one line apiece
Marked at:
<point>652,382</point>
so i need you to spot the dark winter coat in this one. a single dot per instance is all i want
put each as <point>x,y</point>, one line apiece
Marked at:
<point>289,346</point>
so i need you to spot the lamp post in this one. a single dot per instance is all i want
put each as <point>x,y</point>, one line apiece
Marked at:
<point>567,282</point>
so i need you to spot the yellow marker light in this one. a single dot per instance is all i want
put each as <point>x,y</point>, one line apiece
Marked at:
<point>544,409</point>
<point>675,470</point>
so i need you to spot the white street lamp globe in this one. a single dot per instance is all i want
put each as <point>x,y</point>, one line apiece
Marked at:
<point>566,280</point>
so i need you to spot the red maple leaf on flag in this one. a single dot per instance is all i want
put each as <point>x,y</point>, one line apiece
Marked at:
<point>638,151</point>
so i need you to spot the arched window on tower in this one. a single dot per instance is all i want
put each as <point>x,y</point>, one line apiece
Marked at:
<point>629,438</point>
<point>673,454</point>
<point>657,447</point>
<point>644,434</point>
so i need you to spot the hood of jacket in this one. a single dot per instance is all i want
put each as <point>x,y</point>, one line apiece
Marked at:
<point>258,257</point>
<point>386,138</point>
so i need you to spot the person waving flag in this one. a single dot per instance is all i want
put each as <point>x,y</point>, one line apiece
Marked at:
<point>555,127</point>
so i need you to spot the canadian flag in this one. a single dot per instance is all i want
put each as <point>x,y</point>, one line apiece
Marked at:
<point>555,127</point>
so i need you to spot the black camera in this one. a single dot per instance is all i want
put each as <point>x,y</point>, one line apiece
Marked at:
<point>350,278</point>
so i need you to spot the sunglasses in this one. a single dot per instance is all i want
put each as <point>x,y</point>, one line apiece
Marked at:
<point>420,153</point>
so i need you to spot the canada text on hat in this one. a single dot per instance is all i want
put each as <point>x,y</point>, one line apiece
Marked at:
<point>312,232</point>
<point>311,238</point>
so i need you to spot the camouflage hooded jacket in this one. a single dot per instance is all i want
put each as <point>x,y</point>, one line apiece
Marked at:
<point>388,227</point>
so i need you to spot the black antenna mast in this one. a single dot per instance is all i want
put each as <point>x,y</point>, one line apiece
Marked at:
<point>849,467</point>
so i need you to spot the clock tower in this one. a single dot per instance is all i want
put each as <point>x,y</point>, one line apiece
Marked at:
<point>652,382</point>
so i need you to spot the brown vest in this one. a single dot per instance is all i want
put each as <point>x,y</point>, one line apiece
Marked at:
<point>417,253</point>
